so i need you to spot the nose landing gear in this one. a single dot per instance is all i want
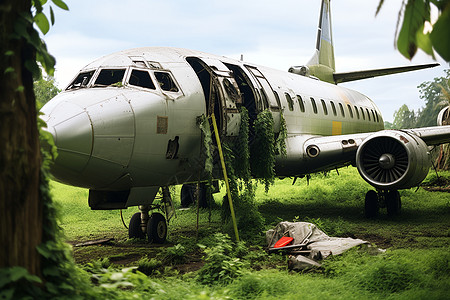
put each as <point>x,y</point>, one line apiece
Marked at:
<point>153,226</point>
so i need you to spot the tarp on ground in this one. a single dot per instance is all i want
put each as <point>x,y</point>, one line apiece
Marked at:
<point>320,244</point>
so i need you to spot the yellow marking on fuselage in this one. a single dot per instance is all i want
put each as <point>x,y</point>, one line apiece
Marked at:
<point>336,128</point>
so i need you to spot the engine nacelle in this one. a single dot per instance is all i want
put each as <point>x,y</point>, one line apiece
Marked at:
<point>393,159</point>
<point>444,116</point>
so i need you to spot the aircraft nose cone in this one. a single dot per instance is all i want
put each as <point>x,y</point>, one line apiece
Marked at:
<point>72,132</point>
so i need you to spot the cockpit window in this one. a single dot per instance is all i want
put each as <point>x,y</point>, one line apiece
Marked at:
<point>81,80</point>
<point>142,79</point>
<point>110,76</point>
<point>166,82</point>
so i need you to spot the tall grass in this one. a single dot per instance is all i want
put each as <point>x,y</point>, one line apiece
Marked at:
<point>416,264</point>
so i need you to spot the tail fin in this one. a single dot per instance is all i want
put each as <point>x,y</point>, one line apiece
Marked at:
<point>322,65</point>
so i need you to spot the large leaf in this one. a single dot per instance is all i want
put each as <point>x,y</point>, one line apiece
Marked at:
<point>42,22</point>
<point>440,36</point>
<point>424,42</point>
<point>61,4</point>
<point>416,13</point>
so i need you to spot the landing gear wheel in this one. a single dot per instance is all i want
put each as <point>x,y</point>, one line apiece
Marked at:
<point>393,203</point>
<point>134,228</point>
<point>157,229</point>
<point>371,206</point>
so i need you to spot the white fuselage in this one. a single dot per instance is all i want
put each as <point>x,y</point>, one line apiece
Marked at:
<point>117,137</point>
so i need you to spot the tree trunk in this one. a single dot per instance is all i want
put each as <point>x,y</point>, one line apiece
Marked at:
<point>20,159</point>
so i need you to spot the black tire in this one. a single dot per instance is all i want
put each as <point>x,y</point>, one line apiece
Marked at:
<point>393,203</point>
<point>134,228</point>
<point>371,206</point>
<point>187,195</point>
<point>157,229</point>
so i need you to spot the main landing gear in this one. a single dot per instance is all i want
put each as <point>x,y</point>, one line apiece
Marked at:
<point>153,226</point>
<point>381,199</point>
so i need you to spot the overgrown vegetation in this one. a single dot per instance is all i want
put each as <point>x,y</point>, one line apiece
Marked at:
<point>246,158</point>
<point>415,265</point>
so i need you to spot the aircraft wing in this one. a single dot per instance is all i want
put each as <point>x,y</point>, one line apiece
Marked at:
<point>357,75</point>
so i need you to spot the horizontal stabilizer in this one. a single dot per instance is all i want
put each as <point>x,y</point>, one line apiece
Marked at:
<point>358,75</point>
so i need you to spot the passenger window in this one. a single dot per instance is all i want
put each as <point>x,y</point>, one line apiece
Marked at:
<point>110,76</point>
<point>333,108</point>
<point>350,110</point>
<point>300,103</point>
<point>357,112</point>
<point>342,110</point>
<point>313,103</point>
<point>142,79</point>
<point>289,101</point>
<point>362,113</point>
<point>324,106</point>
<point>368,114</point>
<point>166,82</point>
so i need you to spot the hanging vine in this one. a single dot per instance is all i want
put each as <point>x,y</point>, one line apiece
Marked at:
<point>262,159</point>
<point>244,162</point>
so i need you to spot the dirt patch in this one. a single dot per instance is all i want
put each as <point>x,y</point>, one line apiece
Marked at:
<point>377,240</point>
<point>440,184</point>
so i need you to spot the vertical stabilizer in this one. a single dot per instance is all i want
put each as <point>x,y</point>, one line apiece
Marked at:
<point>321,64</point>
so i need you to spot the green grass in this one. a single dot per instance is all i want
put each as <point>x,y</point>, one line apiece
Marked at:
<point>414,266</point>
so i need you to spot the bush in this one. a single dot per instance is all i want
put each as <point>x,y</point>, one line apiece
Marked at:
<point>175,254</point>
<point>221,266</point>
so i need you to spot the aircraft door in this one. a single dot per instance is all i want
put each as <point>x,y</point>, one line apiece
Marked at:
<point>270,100</point>
<point>221,92</point>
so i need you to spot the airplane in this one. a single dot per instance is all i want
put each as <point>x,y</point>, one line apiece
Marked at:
<point>126,127</point>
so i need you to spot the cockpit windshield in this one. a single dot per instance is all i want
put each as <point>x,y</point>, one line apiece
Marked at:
<point>110,77</point>
<point>81,80</point>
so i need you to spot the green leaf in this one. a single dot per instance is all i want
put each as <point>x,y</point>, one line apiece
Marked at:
<point>44,251</point>
<point>416,13</point>
<point>380,4</point>
<point>441,33</point>
<point>52,16</point>
<point>32,66</point>
<point>9,70</point>
<point>17,273</point>
<point>61,4</point>
<point>424,42</point>
<point>42,22</point>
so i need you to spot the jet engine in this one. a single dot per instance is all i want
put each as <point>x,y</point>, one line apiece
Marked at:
<point>393,159</point>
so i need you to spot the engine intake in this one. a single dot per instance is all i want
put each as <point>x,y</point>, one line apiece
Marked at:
<point>393,159</point>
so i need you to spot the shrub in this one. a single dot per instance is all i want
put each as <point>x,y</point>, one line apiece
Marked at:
<point>220,265</point>
<point>175,254</point>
